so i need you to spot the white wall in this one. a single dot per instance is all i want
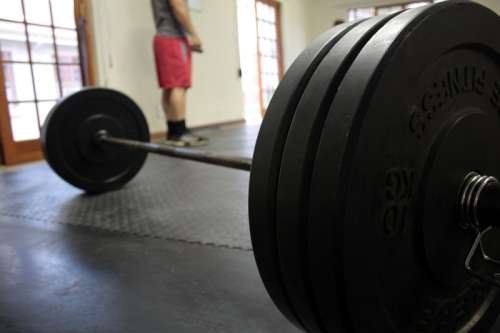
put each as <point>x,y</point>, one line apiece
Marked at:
<point>492,4</point>
<point>294,26</point>
<point>123,31</point>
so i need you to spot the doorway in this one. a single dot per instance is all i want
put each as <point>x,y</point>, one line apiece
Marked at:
<point>261,61</point>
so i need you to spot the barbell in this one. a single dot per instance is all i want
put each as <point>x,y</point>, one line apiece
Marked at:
<point>373,201</point>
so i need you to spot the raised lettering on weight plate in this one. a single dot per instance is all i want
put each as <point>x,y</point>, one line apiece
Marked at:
<point>398,192</point>
<point>457,81</point>
<point>495,96</point>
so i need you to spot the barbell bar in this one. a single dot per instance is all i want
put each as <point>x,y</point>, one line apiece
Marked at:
<point>373,198</point>
<point>239,163</point>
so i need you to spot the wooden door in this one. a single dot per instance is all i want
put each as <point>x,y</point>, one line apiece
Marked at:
<point>40,63</point>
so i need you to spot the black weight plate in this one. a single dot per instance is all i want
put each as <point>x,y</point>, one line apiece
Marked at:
<point>415,113</point>
<point>68,139</point>
<point>296,167</point>
<point>266,164</point>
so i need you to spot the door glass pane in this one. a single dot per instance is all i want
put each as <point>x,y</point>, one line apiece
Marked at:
<point>265,47</point>
<point>271,65</point>
<point>274,49</point>
<point>63,13</point>
<point>37,11</point>
<point>260,28</point>
<point>23,121</point>
<point>272,31</point>
<point>362,13</point>
<point>44,109</point>
<point>264,11</point>
<point>276,80</point>
<point>13,42</point>
<point>41,43</point>
<point>271,16</point>
<point>46,82</point>
<point>352,15</point>
<point>260,9</point>
<point>268,30</point>
<point>417,4</point>
<point>18,83</point>
<point>71,78</point>
<point>11,10</point>
<point>67,46</point>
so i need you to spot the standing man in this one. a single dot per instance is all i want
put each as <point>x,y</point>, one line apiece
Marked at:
<point>175,39</point>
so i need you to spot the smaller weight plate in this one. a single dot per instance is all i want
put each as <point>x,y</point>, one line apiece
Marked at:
<point>69,145</point>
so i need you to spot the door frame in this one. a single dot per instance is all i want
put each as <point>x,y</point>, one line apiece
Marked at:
<point>12,152</point>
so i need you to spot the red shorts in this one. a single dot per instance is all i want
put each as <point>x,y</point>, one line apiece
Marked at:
<point>173,62</point>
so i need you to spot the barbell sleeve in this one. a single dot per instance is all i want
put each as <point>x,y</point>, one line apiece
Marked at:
<point>488,206</point>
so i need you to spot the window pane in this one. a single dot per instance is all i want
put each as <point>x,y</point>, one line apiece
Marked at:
<point>67,46</point>
<point>274,51</point>
<point>269,13</point>
<point>44,109</point>
<point>417,4</point>
<point>272,14</point>
<point>24,121</point>
<point>276,80</point>
<point>262,48</point>
<point>13,41</point>
<point>11,10</point>
<point>41,43</point>
<point>270,31</point>
<point>362,13</point>
<point>37,11</point>
<point>269,46</point>
<point>63,13</point>
<point>273,31</point>
<point>352,15</point>
<point>260,27</point>
<point>270,65</point>
<point>389,10</point>
<point>266,31</point>
<point>71,78</point>
<point>260,10</point>
<point>46,82</point>
<point>18,84</point>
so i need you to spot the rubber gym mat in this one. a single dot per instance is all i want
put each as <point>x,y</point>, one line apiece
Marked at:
<point>169,199</point>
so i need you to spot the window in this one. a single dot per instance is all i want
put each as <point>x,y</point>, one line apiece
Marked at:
<point>40,60</point>
<point>363,13</point>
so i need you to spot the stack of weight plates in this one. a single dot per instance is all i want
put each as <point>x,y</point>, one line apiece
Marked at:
<point>357,167</point>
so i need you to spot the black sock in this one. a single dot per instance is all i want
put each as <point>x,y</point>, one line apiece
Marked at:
<point>176,128</point>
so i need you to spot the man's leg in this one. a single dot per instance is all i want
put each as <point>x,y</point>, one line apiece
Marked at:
<point>165,103</point>
<point>174,104</point>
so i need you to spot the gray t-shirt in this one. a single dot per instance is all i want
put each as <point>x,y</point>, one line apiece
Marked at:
<point>165,21</point>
